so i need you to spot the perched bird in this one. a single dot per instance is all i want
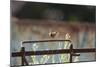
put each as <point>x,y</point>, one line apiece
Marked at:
<point>53,34</point>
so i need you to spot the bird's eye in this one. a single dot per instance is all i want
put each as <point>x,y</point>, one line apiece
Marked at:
<point>52,34</point>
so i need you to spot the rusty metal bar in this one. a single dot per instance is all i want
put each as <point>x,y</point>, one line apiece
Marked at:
<point>63,51</point>
<point>23,56</point>
<point>71,52</point>
<point>44,41</point>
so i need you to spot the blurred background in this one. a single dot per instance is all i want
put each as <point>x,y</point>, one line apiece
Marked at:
<point>35,20</point>
<point>68,12</point>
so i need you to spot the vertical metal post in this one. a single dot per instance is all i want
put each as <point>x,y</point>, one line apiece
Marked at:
<point>71,52</point>
<point>23,55</point>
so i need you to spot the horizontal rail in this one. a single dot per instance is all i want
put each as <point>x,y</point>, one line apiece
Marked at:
<point>28,53</point>
<point>44,41</point>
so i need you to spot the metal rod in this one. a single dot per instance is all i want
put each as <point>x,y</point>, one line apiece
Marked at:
<point>22,56</point>
<point>44,41</point>
<point>63,51</point>
<point>71,52</point>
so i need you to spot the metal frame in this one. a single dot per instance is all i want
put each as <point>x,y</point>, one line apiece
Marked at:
<point>71,51</point>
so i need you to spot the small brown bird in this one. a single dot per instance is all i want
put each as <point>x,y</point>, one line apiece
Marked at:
<point>53,34</point>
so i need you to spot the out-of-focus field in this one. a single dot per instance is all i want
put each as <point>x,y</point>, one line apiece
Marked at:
<point>82,35</point>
